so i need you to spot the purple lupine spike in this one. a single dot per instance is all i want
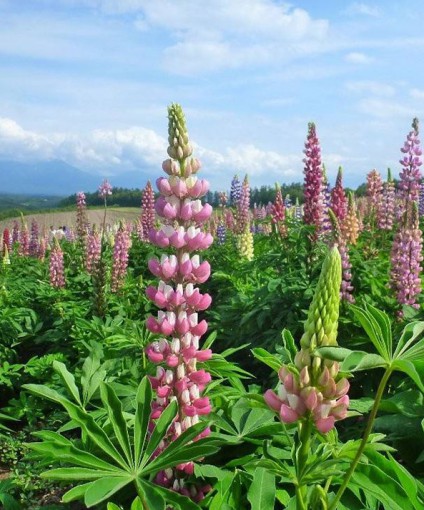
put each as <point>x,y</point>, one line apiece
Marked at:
<point>148,211</point>
<point>421,201</point>
<point>15,232</point>
<point>386,208</point>
<point>288,201</point>
<point>82,224</point>
<point>410,176</point>
<point>120,257</point>
<point>338,198</point>
<point>177,350</point>
<point>57,275</point>
<point>235,191</point>
<point>34,243</point>
<point>313,185</point>
<point>221,233</point>
<point>278,213</point>
<point>406,258</point>
<point>92,250</point>
<point>326,192</point>
<point>243,212</point>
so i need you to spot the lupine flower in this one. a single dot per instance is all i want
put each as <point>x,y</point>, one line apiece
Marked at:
<point>350,226</point>
<point>346,288</point>
<point>326,193</point>
<point>120,258</point>
<point>42,248</point>
<point>177,351</point>
<point>235,191</point>
<point>92,250</point>
<point>221,233</point>
<point>374,195</point>
<point>338,198</point>
<point>410,176</point>
<point>223,199</point>
<point>314,390</point>
<point>288,201</point>
<point>406,258</point>
<point>24,240</point>
<point>386,208</point>
<point>6,257</point>
<point>82,219</point>
<point>105,189</point>
<point>298,210</point>
<point>229,219</point>
<point>7,241</point>
<point>34,244</point>
<point>148,211</point>
<point>242,211</point>
<point>278,212</point>
<point>57,276</point>
<point>245,244</point>
<point>313,186</point>
<point>421,201</point>
<point>15,232</point>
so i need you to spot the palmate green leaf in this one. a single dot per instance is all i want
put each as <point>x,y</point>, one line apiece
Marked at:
<point>78,473</point>
<point>119,425</point>
<point>409,335</point>
<point>359,360</point>
<point>68,379</point>
<point>91,375</point>
<point>377,326</point>
<point>102,489</point>
<point>75,493</point>
<point>112,506</point>
<point>266,357</point>
<point>162,424</point>
<point>409,368</point>
<point>71,454</point>
<point>142,418</point>
<point>261,492</point>
<point>333,353</point>
<point>199,449</point>
<point>151,495</point>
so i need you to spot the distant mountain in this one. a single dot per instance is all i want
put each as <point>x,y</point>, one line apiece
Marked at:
<point>58,178</point>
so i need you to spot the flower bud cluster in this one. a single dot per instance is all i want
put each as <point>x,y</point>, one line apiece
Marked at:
<point>410,176</point>
<point>386,210</point>
<point>350,225</point>
<point>178,326</point>
<point>338,198</point>
<point>278,212</point>
<point>235,190</point>
<point>311,388</point>
<point>82,220</point>
<point>92,250</point>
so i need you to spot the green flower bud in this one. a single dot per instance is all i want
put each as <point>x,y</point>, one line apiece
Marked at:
<point>323,314</point>
<point>179,146</point>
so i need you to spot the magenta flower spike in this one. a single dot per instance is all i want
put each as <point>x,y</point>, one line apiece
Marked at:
<point>24,240</point>
<point>34,243</point>
<point>15,232</point>
<point>313,210</point>
<point>178,326</point>
<point>278,212</point>
<point>57,275</point>
<point>338,198</point>
<point>148,211</point>
<point>82,224</point>
<point>243,208</point>
<point>120,257</point>
<point>374,194</point>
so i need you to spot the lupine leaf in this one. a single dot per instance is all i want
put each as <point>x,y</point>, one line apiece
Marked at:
<point>68,379</point>
<point>142,418</point>
<point>261,492</point>
<point>102,489</point>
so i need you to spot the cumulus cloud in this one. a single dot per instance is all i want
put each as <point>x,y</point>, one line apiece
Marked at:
<point>138,147</point>
<point>355,57</point>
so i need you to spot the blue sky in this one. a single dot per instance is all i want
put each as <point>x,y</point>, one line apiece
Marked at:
<point>88,82</point>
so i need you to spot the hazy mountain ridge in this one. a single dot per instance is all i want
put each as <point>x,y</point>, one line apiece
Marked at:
<point>58,178</point>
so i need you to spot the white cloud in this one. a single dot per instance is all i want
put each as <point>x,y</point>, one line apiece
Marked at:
<point>417,93</point>
<point>19,144</point>
<point>386,109</point>
<point>355,57</point>
<point>371,87</point>
<point>363,9</point>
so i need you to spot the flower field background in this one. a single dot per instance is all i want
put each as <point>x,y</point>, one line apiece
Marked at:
<point>248,356</point>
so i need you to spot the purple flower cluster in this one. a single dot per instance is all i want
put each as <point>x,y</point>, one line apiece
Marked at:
<point>338,198</point>
<point>120,258</point>
<point>57,276</point>
<point>148,211</point>
<point>235,190</point>
<point>313,187</point>
<point>410,175</point>
<point>105,189</point>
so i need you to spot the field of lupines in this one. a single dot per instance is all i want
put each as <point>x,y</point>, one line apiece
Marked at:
<point>243,358</point>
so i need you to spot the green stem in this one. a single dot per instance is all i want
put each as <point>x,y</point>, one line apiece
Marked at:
<point>140,494</point>
<point>378,397</point>
<point>302,458</point>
